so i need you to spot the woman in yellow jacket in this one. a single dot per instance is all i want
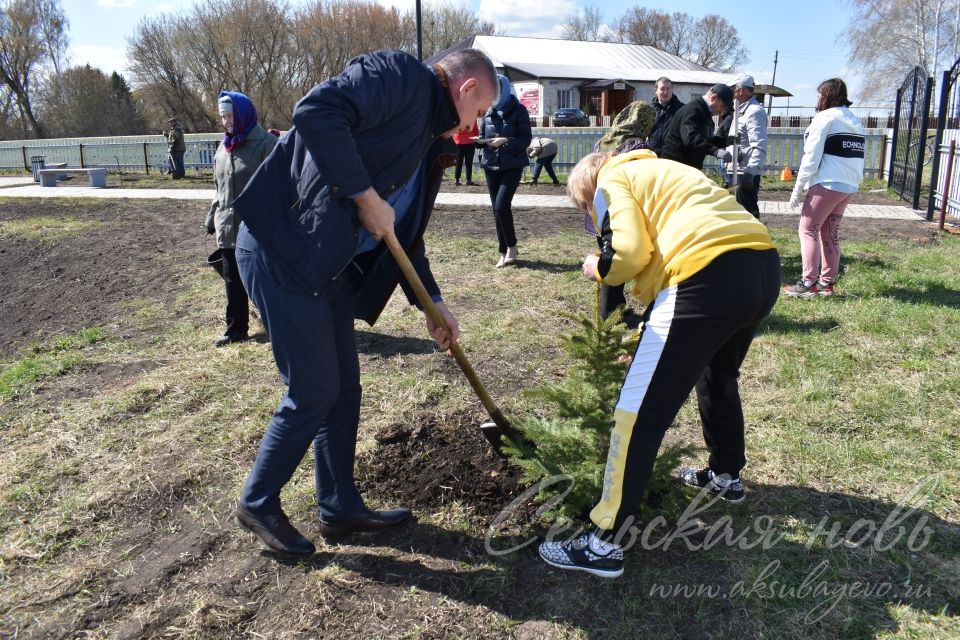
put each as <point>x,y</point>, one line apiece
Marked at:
<point>708,274</point>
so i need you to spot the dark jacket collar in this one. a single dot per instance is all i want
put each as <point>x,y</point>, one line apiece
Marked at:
<point>445,116</point>
<point>670,107</point>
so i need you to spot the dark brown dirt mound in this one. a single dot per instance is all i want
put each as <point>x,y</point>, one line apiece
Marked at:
<point>433,464</point>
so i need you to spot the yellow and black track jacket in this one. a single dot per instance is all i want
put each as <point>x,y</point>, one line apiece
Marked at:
<point>660,222</point>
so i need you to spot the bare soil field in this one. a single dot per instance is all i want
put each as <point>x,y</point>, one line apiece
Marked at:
<point>145,547</point>
<point>81,282</point>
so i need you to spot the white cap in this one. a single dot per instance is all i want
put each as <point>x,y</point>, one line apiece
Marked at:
<point>743,80</point>
<point>225,105</point>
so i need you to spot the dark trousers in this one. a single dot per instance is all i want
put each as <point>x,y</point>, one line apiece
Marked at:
<point>465,153</point>
<point>238,307</point>
<point>749,193</point>
<point>176,163</point>
<point>544,163</point>
<point>611,297</point>
<point>313,344</point>
<point>502,185</point>
<point>695,335</point>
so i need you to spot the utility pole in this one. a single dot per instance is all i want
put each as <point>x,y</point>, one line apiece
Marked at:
<point>419,34</point>
<point>773,81</point>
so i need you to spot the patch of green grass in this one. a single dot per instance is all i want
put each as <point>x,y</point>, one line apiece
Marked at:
<point>45,361</point>
<point>47,228</point>
<point>155,180</point>
<point>848,403</point>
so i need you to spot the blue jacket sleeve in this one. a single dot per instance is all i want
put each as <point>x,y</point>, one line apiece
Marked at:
<point>369,92</point>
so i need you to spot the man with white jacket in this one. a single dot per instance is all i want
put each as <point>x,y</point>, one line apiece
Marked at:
<point>751,136</point>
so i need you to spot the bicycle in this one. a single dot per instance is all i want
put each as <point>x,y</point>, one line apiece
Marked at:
<point>929,148</point>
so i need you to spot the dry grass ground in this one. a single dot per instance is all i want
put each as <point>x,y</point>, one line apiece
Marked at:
<point>125,437</point>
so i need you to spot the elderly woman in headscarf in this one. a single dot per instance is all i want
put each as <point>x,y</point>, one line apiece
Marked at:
<point>629,132</point>
<point>245,145</point>
<point>506,135</point>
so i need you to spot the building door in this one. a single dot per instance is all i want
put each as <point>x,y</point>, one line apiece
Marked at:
<point>618,100</point>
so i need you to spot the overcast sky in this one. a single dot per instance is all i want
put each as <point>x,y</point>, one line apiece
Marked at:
<point>806,35</point>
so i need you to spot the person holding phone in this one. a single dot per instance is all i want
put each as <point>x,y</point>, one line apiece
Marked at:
<point>505,135</point>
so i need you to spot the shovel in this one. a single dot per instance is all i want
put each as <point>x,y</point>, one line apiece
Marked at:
<point>492,431</point>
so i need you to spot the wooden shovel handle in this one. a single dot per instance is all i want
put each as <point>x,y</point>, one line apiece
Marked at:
<point>431,310</point>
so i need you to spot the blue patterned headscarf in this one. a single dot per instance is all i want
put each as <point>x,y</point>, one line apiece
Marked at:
<point>244,119</point>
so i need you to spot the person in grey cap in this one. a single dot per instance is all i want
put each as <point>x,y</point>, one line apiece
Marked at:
<point>751,135</point>
<point>691,134</point>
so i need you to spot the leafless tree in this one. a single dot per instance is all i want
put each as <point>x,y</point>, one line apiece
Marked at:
<point>239,45</point>
<point>710,41</point>
<point>717,45</point>
<point>328,35</point>
<point>653,28</point>
<point>53,30</point>
<point>587,26</point>
<point>888,38</point>
<point>444,25</point>
<point>155,53</point>
<point>272,50</point>
<point>32,32</point>
<point>84,101</point>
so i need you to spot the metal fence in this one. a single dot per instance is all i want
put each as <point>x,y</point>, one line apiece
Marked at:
<point>142,153</point>
<point>946,178</point>
<point>784,149</point>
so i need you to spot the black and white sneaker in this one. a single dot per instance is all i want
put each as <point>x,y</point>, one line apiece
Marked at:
<point>578,554</point>
<point>729,489</point>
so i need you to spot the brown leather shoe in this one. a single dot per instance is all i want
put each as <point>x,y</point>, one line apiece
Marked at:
<point>364,522</point>
<point>275,531</point>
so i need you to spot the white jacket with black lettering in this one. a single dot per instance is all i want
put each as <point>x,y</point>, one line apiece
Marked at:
<point>833,150</point>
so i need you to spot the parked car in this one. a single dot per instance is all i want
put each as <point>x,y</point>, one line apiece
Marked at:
<point>570,118</point>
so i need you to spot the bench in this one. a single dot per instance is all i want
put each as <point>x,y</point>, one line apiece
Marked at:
<point>96,175</point>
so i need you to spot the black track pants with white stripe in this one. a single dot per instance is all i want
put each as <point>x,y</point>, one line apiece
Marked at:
<point>695,335</point>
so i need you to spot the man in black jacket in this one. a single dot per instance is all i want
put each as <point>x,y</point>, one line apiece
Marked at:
<point>363,160</point>
<point>691,134</point>
<point>666,105</point>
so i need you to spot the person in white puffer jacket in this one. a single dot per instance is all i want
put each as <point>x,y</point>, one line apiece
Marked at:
<point>830,173</point>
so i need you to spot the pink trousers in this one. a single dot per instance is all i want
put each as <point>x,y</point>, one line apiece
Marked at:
<point>819,233</point>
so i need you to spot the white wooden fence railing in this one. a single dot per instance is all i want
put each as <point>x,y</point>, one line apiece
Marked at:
<point>953,201</point>
<point>784,148</point>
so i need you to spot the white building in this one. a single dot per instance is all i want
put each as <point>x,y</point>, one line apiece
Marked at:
<point>601,78</point>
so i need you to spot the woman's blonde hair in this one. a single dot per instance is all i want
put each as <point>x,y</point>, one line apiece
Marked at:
<point>582,181</point>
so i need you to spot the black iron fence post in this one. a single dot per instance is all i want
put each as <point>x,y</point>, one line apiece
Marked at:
<point>922,141</point>
<point>896,134</point>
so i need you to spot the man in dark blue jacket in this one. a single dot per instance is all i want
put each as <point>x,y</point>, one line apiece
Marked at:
<point>364,158</point>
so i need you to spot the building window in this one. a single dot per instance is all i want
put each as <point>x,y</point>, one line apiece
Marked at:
<point>695,96</point>
<point>563,99</point>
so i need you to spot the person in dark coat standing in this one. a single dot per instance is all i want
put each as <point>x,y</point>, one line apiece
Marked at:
<point>363,160</point>
<point>176,148</point>
<point>506,130</point>
<point>691,136</point>
<point>666,105</point>
<point>245,146</point>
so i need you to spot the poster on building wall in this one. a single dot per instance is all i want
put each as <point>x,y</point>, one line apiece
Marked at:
<point>529,96</point>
